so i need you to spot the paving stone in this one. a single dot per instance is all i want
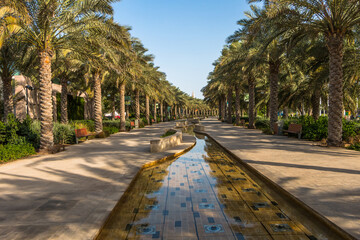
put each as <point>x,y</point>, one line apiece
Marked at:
<point>69,195</point>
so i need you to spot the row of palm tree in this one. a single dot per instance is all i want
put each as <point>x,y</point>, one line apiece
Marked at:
<point>78,43</point>
<point>291,55</point>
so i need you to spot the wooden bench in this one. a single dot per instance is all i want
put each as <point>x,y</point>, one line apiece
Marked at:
<point>294,129</point>
<point>80,133</point>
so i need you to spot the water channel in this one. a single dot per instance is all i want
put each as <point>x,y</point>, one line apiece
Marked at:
<point>202,194</point>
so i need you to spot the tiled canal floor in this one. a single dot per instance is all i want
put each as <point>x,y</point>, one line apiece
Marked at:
<point>202,194</point>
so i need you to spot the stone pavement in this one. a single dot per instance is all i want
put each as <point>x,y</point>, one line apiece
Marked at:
<point>70,194</point>
<point>326,179</point>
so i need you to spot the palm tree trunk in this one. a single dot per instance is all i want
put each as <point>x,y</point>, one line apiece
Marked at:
<point>64,102</point>
<point>223,108</point>
<point>237,104</point>
<point>335,47</point>
<point>220,107</point>
<point>54,106</point>
<point>155,117</point>
<point>147,103</point>
<point>166,112</point>
<point>274,91</point>
<point>251,82</point>
<point>113,108</point>
<point>127,112</point>
<point>46,106</point>
<point>97,103</point>
<point>137,104</point>
<point>86,108</point>
<point>286,112</point>
<point>8,96</point>
<point>176,111</point>
<point>122,107</point>
<point>315,102</point>
<point>161,111</point>
<point>229,99</point>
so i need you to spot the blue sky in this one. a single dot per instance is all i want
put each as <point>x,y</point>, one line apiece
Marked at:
<point>186,36</point>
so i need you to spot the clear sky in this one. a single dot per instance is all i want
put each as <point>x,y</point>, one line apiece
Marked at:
<point>186,36</point>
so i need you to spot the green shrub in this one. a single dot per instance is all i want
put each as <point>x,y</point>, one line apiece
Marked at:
<point>88,124</point>
<point>30,129</point>
<point>2,133</point>
<point>262,123</point>
<point>355,147</point>
<point>11,151</point>
<point>112,123</point>
<point>143,122</point>
<point>111,129</point>
<point>267,131</point>
<point>168,133</point>
<point>314,130</point>
<point>349,129</point>
<point>127,123</point>
<point>63,133</point>
<point>11,128</point>
<point>101,135</point>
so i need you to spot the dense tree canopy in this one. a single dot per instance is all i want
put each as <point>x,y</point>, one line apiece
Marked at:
<point>292,56</point>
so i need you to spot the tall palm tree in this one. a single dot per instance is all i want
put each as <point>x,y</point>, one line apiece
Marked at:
<point>54,25</point>
<point>335,20</point>
<point>66,66</point>
<point>258,28</point>
<point>139,66</point>
<point>8,55</point>
<point>151,78</point>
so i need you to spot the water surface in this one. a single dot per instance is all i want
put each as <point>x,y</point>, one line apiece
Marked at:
<point>202,194</point>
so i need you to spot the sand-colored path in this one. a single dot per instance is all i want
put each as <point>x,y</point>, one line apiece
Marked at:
<point>69,195</point>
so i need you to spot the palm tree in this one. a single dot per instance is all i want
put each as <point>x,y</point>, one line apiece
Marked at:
<point>151,78</point>
<point>139,67</point>
<point>54,25</point>
<point>66,67</point>
<point>335,21</point>
<point>258,28</point>
<point>8,55</point>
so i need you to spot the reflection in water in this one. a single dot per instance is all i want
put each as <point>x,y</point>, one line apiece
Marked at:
<point>202,194</point>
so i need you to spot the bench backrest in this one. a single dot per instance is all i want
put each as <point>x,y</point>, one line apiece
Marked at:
<point>242,121</point>
<point>295,127</point>
<point>81,132</point>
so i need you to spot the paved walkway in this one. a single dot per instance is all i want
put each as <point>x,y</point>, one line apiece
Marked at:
<point>69,195</point>
<point>326,179</point>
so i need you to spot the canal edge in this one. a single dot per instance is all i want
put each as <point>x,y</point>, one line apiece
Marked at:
<point>132,183</point>
<point>327,227</point>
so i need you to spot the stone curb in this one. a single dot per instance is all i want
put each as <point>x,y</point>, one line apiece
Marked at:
<point>282,196</point>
